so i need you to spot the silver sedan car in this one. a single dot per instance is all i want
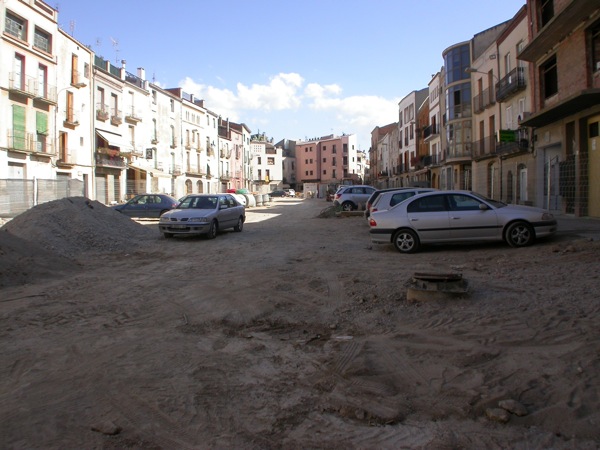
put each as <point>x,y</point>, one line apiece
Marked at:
<point>203,214</point>
<point>458,216</point>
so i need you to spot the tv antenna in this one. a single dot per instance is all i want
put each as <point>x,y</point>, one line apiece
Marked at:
<point>72,27</point>
<point>115,44</point>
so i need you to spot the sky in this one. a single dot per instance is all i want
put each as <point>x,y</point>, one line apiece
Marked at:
<point>290,69</point>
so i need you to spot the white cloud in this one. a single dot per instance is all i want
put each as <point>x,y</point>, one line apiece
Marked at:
<point>286,92</point>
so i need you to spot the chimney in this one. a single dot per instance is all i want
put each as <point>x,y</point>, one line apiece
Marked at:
<point>141,73</point>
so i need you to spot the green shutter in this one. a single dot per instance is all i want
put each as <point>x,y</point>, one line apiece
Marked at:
<point>41,122</point>
<point>19,128</point>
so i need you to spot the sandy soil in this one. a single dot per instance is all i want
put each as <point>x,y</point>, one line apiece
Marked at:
<point>295,333</point>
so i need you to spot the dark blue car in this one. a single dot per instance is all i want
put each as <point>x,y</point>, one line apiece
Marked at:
<point>147,206</point>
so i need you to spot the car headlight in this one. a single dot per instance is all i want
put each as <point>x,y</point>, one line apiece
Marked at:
<point>164,219</point>
<point>547,216</point>
<point>198,219</point>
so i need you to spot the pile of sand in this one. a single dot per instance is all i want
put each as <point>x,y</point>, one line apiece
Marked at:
<point>48,238</point>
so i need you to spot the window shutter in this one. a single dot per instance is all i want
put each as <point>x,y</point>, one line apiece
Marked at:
<point>41,121</point>
<point>19,127</point>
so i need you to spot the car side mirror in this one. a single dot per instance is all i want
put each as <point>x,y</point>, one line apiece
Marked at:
<point>483,207</point>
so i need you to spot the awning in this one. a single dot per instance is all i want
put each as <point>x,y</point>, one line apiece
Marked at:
<point>115,140</point>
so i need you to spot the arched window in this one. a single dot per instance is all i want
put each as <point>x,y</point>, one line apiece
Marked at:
<point>188,187</point>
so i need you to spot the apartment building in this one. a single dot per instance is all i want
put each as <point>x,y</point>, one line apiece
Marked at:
<point>266,169</point>
<point>328,161</point>
<point>433,136</point>
<point>44,88</point>
<point>408,109</point>
<point>564,56</point>
<point>240,138</point>
<point>377,164</point>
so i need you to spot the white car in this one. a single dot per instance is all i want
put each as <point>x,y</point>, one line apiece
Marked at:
<point>351,197</point>
<point>290,192</point>
<point>458,216</point>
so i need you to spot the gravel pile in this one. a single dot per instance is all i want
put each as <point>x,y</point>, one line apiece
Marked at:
<point>71,226</point>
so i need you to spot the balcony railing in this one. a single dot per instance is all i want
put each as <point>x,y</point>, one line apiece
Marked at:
<point>116,116</point>
<point>484,147</point>
<point>21,84</point>
<point>431,131</point>
<point>225,176</point>
<point>71,119</point>
<point>102,112</point>
<point>132,116</point>
<point>483,100</point>
<point>511,84</point>
<point>31,143</point>
<point>108,160</point>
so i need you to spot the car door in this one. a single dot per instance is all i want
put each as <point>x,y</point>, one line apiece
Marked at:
<point>136,207</point>
<point>469,222</point>
<point>227,213</point>
<point>429,217</point>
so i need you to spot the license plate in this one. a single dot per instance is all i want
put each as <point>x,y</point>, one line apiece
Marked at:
<point>178,227</point>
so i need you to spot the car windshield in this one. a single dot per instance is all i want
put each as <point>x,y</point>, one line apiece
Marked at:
<point>199,203</point>
<point>494,203</point>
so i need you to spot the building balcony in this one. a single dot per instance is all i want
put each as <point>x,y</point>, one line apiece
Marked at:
<point>225,176</point>
<point>431,132</point>
<point>507,148</point>
<point>102,112</point>
<point>116,117</point>
<point>484,100</point>
<point>459,154</point>
<point>133,117</point>
<point>484,148</point>
<point>511,84</point>
<point>37,144</point>
<point>109,158</point>
<point>22,85</point>
<point>175,171</point>
<point>71,120</point>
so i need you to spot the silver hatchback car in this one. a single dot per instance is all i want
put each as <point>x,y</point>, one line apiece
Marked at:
<point>458,216</point>
<point>350,198</point>
<point>203,214</point>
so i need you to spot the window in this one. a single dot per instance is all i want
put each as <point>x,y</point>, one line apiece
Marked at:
<point>433,203</point>
<point>595,35</point>
<point>42,40</point>
<point>463,203</point>
<point>15,26</point>
<point>546,11</point>
<point>69,112</point>
<point>549,77</point>
<point>42,88</point>
<point>74,72</point>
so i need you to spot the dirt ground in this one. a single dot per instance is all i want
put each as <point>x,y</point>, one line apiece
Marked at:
<point>295,333</point>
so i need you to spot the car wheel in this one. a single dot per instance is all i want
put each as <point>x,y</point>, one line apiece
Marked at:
<point>406,241</point>
<point>212,231</point>
<point>348,206</point>
<point>168,235</point>
<point>240,225</point>
<point>520,234</point>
